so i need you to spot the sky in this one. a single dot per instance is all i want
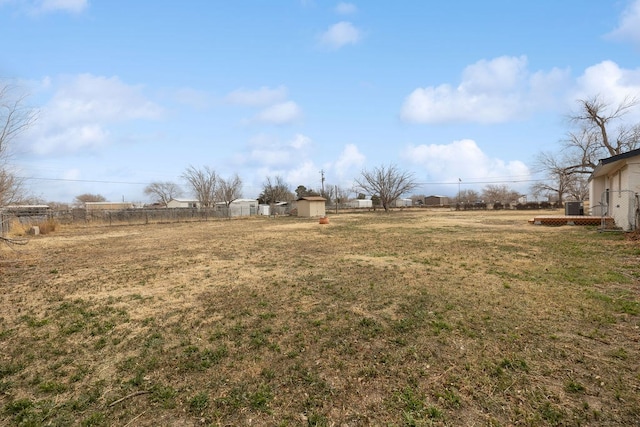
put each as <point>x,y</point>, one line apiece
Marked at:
<point>462,93</point>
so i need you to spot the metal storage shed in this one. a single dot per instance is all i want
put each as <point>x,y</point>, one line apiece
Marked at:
<point>311,206</point>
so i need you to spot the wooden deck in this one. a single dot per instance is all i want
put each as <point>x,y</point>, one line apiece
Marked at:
<point>572,220</point>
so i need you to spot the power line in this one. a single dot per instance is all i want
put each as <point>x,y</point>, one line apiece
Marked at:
<point>501,181</point>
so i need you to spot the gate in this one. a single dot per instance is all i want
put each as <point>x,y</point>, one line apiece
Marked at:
<point>622,206</point>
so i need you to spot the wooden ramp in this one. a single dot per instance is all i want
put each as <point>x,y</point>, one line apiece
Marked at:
<point>572,220</point>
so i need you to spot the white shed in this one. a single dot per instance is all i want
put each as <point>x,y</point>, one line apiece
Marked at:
<point>240,207</point>
<point>361,203</point>
<point>613,189</point>
<point>401,203</point>
<point>183,203</point>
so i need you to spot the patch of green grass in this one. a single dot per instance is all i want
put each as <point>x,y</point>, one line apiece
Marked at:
<point>164,395</point>
<point>619,353</point>
<point>52,387</point>
<point>414,410</point>
<point>199,403</point>
<point>574,387</point>
<point>94,420</point>
<point>551,414</point>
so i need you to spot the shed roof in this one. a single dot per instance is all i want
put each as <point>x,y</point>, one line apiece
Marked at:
<point>177,199</point>
<point>313,198</point>
<point>610,163</point>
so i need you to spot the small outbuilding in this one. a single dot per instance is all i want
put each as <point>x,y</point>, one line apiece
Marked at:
<point>401,203</point>
<point>613,189</point>
<point>239,207</point>
<point>107,206</point>
<point>361,204</point>
<point>435,200</point>
<point>311,206</point>
<point>183,203</point>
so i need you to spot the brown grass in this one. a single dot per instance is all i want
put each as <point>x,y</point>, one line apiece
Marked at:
<point>408,318</point>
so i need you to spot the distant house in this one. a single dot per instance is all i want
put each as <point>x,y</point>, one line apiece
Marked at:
<point>311,206</point>
<point>107,206</point>
<point>183,203</point>
<point>613,189</point>
<point>401,203</point>
<point>361,203</point>
<point>436,201</point>
<point>239,207</point>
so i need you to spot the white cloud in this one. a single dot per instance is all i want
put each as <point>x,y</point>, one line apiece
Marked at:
<point>446,163</point>
<point>491,91</point>
<point>260,97</point>
<point>269,151</point>
<point>629,26</point>
<point>300,141</point>
<point>39,7</point>
<point>305,173</point>
<point>339,35</point>
<point>349,163</point>
<point>608,79</point>
<point>72,174</point>
<point>346,8</point>
<point>82,109</point>
<point>280,114</point>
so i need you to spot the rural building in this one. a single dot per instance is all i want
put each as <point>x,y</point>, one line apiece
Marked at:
<point>239,207</point>
<point>436,201</point>
<point>361,203</point>
<point>183,203</point>
<point>107,206</point>
<point>311,206</point>
<point>613,189</point>
<point>401,203</point>
<point>280,208</point>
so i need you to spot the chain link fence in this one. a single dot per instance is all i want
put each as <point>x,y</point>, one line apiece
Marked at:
<point>622,206</point>
<point>82,217</point>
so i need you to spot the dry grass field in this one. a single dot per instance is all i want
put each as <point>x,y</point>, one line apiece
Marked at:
<point>402,319</point>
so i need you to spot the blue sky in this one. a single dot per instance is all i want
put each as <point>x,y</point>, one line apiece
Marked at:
<point>132,92</point>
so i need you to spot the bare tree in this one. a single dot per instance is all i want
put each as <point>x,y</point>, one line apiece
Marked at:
<point>229,189</point>
<point>275,190</point>
<point>601,132</point>
<point>387,182</point>
<point>578,187</point>
<point>203,183</point>
<point>15,118</point>
<point>467,196</point>
<point>341,194</point>
<point>559,175</point>
<point>500,193</point>
<point>88,197</point>
<point>163,192</point>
